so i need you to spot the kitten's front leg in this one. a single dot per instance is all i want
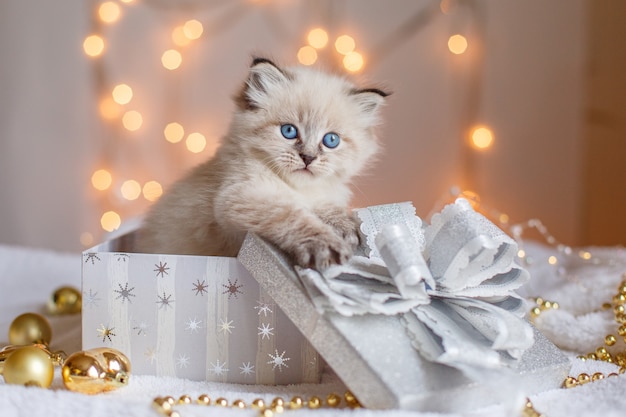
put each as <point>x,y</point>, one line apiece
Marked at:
<point>294,229</point>
<point>342,221</point>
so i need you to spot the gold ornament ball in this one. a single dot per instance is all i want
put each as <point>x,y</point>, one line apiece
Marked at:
<point>65,300</point>
<point>30,328</point>
<point>96,370</point>
<point>29,365</point>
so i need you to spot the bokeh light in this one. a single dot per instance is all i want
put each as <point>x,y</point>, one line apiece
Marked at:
<point>110,221</point>
<point>457,44</point>
<point>101,179</point>
<point>130,189</point>
<point>93,45</point>
<point>132,120</point>
<point>353,61</point>
<point>317,38</point>
<point>345,44</point>
<point>482,137</point>
<point>171,59</point>
<point>109,109</point>
<point>174,132</point>
<point>122,94</point>
<point>307,55</point>
<point>109,12</point>
<point>193,29</point>
<point>179,37</point>
<point>196,142</point>
<point>152,190</point>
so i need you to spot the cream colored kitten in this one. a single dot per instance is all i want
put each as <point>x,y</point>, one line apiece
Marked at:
<point>297,138</point>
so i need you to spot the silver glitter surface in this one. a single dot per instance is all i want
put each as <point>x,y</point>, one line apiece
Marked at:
<point>373,355</point>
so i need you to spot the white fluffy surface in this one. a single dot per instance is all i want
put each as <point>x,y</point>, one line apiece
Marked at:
<point>29,276</point>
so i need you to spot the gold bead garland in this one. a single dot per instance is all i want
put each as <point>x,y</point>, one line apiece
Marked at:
<point>165,405</point>
<point>542,305</point>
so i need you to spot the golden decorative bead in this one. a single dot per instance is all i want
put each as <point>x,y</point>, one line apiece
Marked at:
<point>267,412</point>
<point>161,404</point>
<point>296,403</point>
<point>606,306</point>
<point>29,328</point>
<point>610,340</point>
<point>350,398</point>
<point>547,304</point>
<point>258,404</point>
<point>278,409</point>
<point>621,330</point>
<point>170,399</point>
<point>185,399</point>
<point>619,299</point>
<point>622,370</point>
<point>204,399</point>
<point>555,306</point>
<point>570,382</point>
<point>535,311</point>
<point>65,300</point>
<point>314,402</point>
<point>277,401</point>
<point>239,404</point>
<point>539,300</point>
<point>222,402</point>
<point>592,356</point>
<point>173,413</point>
<point>583,378</point>
<point>601,352</point>
<point>597,376</point>
<point>620,318</point>
<point>619,309</point>
<point>581,357</point>
<point>29,366</point>
<point>612,374</point>
<point>333,400</point>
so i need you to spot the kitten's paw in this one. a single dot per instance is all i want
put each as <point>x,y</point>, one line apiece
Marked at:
<point>345,224</point>
<point>323,250</point>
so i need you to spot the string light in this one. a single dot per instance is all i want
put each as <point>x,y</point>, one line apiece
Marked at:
<point>152,190</point>
<point>171,59</point>
<point>193,29</point>
<point>174,132</point>
<point>110,221</point>
<point>122,94</point>
<point>130,190</point>
<point>179,37</point>
<point>109,12</point>
<point>196,142</point>
<point>132,120</point>
<point>101,179</point>
<point>353,61</point>
<point>482,137</point>
<point>307,55</point>
<point>93,45</point>
<point>345,44</point>
<point>109,109</point>
<point>457,44</point>
<point>317,38</point>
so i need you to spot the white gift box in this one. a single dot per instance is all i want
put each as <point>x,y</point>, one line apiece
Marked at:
<point>195,317</point>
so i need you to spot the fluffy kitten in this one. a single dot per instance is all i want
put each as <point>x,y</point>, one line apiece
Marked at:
<point>297,138</point>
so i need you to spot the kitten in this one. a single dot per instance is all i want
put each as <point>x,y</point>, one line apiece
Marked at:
<point>297,138</point>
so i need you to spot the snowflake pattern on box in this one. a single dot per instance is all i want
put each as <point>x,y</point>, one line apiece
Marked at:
<point>194,317</point>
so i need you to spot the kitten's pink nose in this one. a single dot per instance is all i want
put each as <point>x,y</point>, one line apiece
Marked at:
<point>307,159</point>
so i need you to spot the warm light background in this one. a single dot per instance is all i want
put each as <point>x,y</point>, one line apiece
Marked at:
<point>519,72</point>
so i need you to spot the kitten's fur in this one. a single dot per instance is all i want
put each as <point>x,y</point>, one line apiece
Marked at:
<point>258,180</point>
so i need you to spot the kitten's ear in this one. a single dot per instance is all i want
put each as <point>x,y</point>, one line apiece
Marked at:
<point>369,99</point>
<point>263,78</point>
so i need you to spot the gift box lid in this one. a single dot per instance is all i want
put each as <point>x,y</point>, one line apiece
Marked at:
<point>376,360</point>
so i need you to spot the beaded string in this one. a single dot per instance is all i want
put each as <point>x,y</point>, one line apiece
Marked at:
<point>165,405</point>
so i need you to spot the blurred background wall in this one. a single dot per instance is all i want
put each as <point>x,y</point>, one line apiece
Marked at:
<point>80,157</point>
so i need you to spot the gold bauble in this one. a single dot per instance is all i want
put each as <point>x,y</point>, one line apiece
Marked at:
<point>28,365</point>
<point>65,300</point>
<point>30,328</point>
<point>96,370</point>
<point>57,358</point>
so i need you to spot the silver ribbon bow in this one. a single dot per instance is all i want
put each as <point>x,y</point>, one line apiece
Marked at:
<point>452,282</point>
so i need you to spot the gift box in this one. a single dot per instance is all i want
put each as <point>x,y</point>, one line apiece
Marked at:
<point>375,355</point>
<point>195,317</point>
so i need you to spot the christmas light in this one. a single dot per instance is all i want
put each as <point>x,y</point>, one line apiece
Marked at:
<point>345,44</point>
<point>196,142</point>
<point>174,132</point>
<point>130,189</point>
<point>307,55</point>
<point>482,138</point>
<point>152,190</point>
<point>132,120</point>
<point>171,59</point>
<point>457,44</point>
<point>317,38</point>
<point>179,37</point>
<point>93,45</point>
<point>122,94</point>
<point>193,29</point>
<point>110,221</point>
<point>353,61</point>
<point>101,179</point>
<point>109,109</point>
<point>109,12</point>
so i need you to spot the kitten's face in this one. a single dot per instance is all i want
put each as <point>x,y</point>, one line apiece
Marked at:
<point>307,125</point>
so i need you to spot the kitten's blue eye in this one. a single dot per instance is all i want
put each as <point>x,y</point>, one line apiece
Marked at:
<point>331,140</point>
<point>289,131</point>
